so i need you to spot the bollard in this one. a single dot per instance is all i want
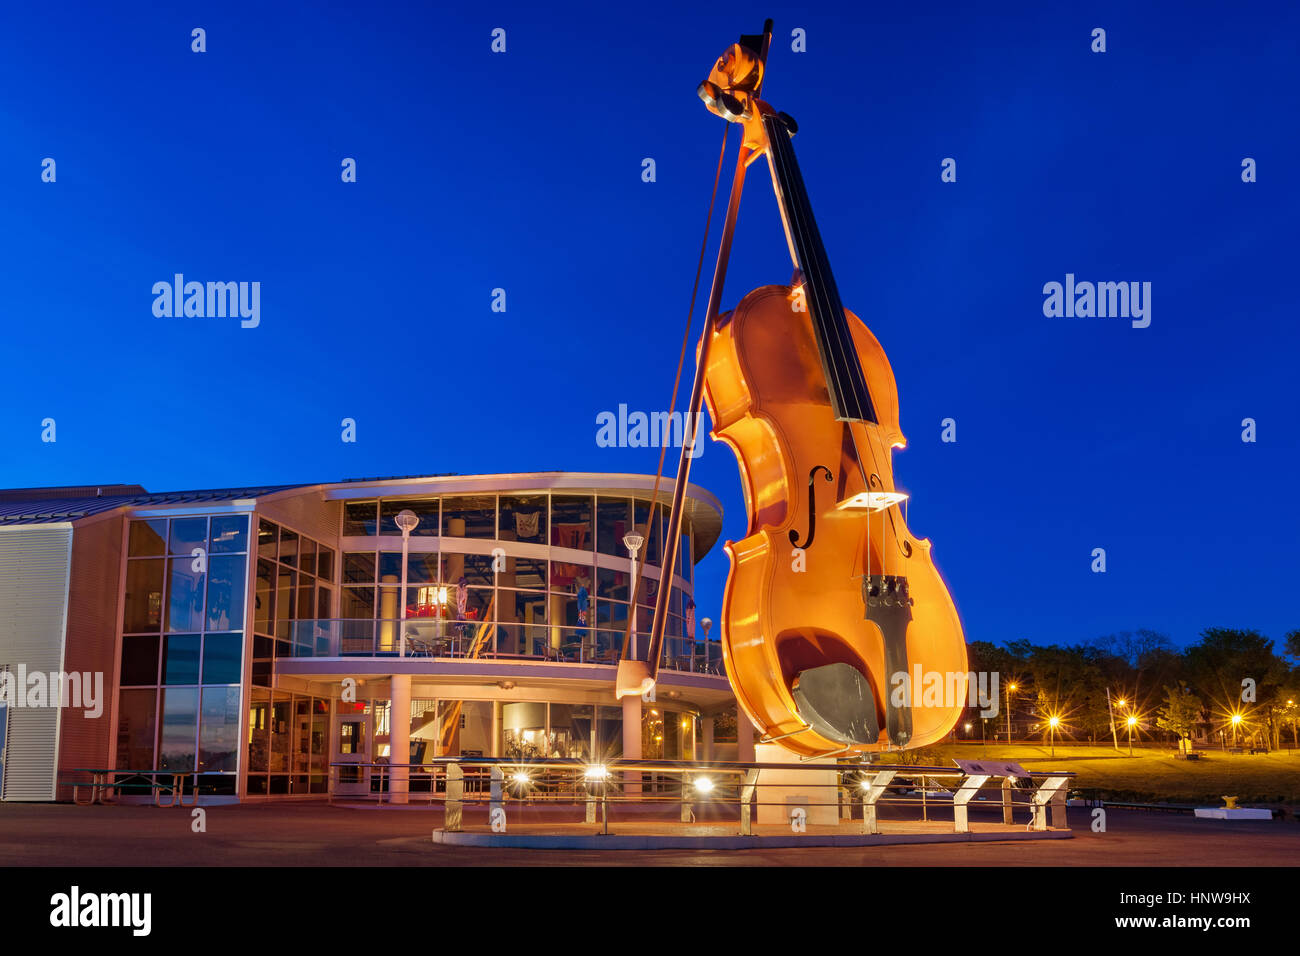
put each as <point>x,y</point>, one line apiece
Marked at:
<point>495,802</point>
<point>746,797</point>
<point>455,802</point>
<point>870,795</point>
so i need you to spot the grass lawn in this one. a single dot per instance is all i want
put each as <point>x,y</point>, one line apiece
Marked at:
<point>1153,773</point>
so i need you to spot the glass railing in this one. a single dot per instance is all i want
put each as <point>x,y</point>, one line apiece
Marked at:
<point>425,637</point>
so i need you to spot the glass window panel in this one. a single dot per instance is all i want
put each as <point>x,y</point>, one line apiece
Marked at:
<point>219,730</point>
<point>285,581</point>
<point>684,557</point>
<point>325,564</point>
<point>289,547</point>
<point>612,584</point>
<point>307,556</point>
<point>229,534</point>
<point>324,602</point>
<point>226,592</point>
<point>281,715</point>
<point>524,518</point>
<point>422,568</point>
<point>477,600</point>
<point>528,573</point>
<point>610,732</point>
<point>136,720</point>
<point>477,570</point>
<point>358,603</point>
<point>521,607</point>
<point>188,534</point>
<point>264,606</point>
<point>222,655</point>
<point>360,517</point>
<point>148,538</point>
<point>306,599</point>
<point>267,536</point>
<point>185,588</point>
<point>139,660</point>
<point>571,732</point>
<point>390,566</point>
<point>650,551</point>
<point>571,522</point>
<point>359,567</point>
<point>471,516</point>
<point>259,728</point>
<point>425,509</point>
<point>180,718</point>
<point>612,522</point>
<point>568,578</point>
<point>181,659</point>
<point>611,615</point>
<point>144,593</point>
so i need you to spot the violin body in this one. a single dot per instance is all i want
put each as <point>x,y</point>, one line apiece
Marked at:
<point>795,599</point>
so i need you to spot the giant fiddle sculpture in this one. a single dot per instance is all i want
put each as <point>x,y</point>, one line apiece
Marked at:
<point>832,607</point>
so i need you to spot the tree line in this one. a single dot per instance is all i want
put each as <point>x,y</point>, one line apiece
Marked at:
<point>1230,683</point>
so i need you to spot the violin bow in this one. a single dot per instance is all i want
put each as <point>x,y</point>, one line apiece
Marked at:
<point>719,100</point>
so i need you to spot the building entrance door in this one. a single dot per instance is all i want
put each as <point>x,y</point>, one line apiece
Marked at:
<point>353,738</point>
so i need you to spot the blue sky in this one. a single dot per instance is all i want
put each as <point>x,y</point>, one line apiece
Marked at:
<point>522,171</point>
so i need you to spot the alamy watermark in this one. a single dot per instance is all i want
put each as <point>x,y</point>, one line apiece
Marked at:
<point>655,430</point>
<point>84,690</point>
<point>1104,300</point>
<point>213,300</point>
<point>923,688</point>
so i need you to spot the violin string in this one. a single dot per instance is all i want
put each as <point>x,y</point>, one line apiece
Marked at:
<point>800,220</point>
<point>689,427</point>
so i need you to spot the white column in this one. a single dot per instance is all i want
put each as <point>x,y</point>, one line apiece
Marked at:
<point>399,738</point>
<point>744,738</point>
<point>632,740</point>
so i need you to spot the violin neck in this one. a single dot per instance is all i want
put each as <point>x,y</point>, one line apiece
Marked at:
<point>850,399</point>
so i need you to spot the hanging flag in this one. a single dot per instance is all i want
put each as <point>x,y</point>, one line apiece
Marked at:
<point>584,601</point>
<point>526,524</point>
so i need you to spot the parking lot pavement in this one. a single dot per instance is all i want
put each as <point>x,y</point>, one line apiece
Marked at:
<point>314,834</point>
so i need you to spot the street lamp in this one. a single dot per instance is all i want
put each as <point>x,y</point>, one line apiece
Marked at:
<point>406,520</point>
<point>1132,722</point>
<point>1052,722</point>
<point>633,541</point>
<point>1236,720</point>
<point>1010,688</point>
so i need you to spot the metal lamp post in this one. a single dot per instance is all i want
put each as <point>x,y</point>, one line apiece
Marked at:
<point>1052,722</point>
<point>1132,721</point>
<point>407,521</point>
<point>705,624</point>
<point>633,541</point>
<point>1010,688</point>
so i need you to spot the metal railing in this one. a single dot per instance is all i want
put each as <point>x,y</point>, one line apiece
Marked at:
<point>439,638</point>
<point>817,793</point>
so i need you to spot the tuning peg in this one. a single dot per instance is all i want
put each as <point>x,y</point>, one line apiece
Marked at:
<point>721,102</point>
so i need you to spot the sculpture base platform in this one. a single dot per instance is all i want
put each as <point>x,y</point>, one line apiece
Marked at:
<point>715,837</point>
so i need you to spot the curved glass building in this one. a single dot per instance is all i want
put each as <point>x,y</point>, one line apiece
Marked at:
<point>287,641</point>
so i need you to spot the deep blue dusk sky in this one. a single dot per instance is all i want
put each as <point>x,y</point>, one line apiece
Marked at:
<point>523,171</point>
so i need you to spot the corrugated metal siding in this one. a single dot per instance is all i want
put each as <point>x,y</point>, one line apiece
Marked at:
<point>33,595</point>
<point>308,513</point>
<point>91,644</point>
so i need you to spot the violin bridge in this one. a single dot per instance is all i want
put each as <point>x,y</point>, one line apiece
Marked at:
<point>872,501</point>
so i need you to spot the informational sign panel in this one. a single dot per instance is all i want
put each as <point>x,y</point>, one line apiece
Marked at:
<point>991,768</point>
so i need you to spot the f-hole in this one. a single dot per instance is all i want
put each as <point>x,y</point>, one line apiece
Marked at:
<point>812,507</point>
